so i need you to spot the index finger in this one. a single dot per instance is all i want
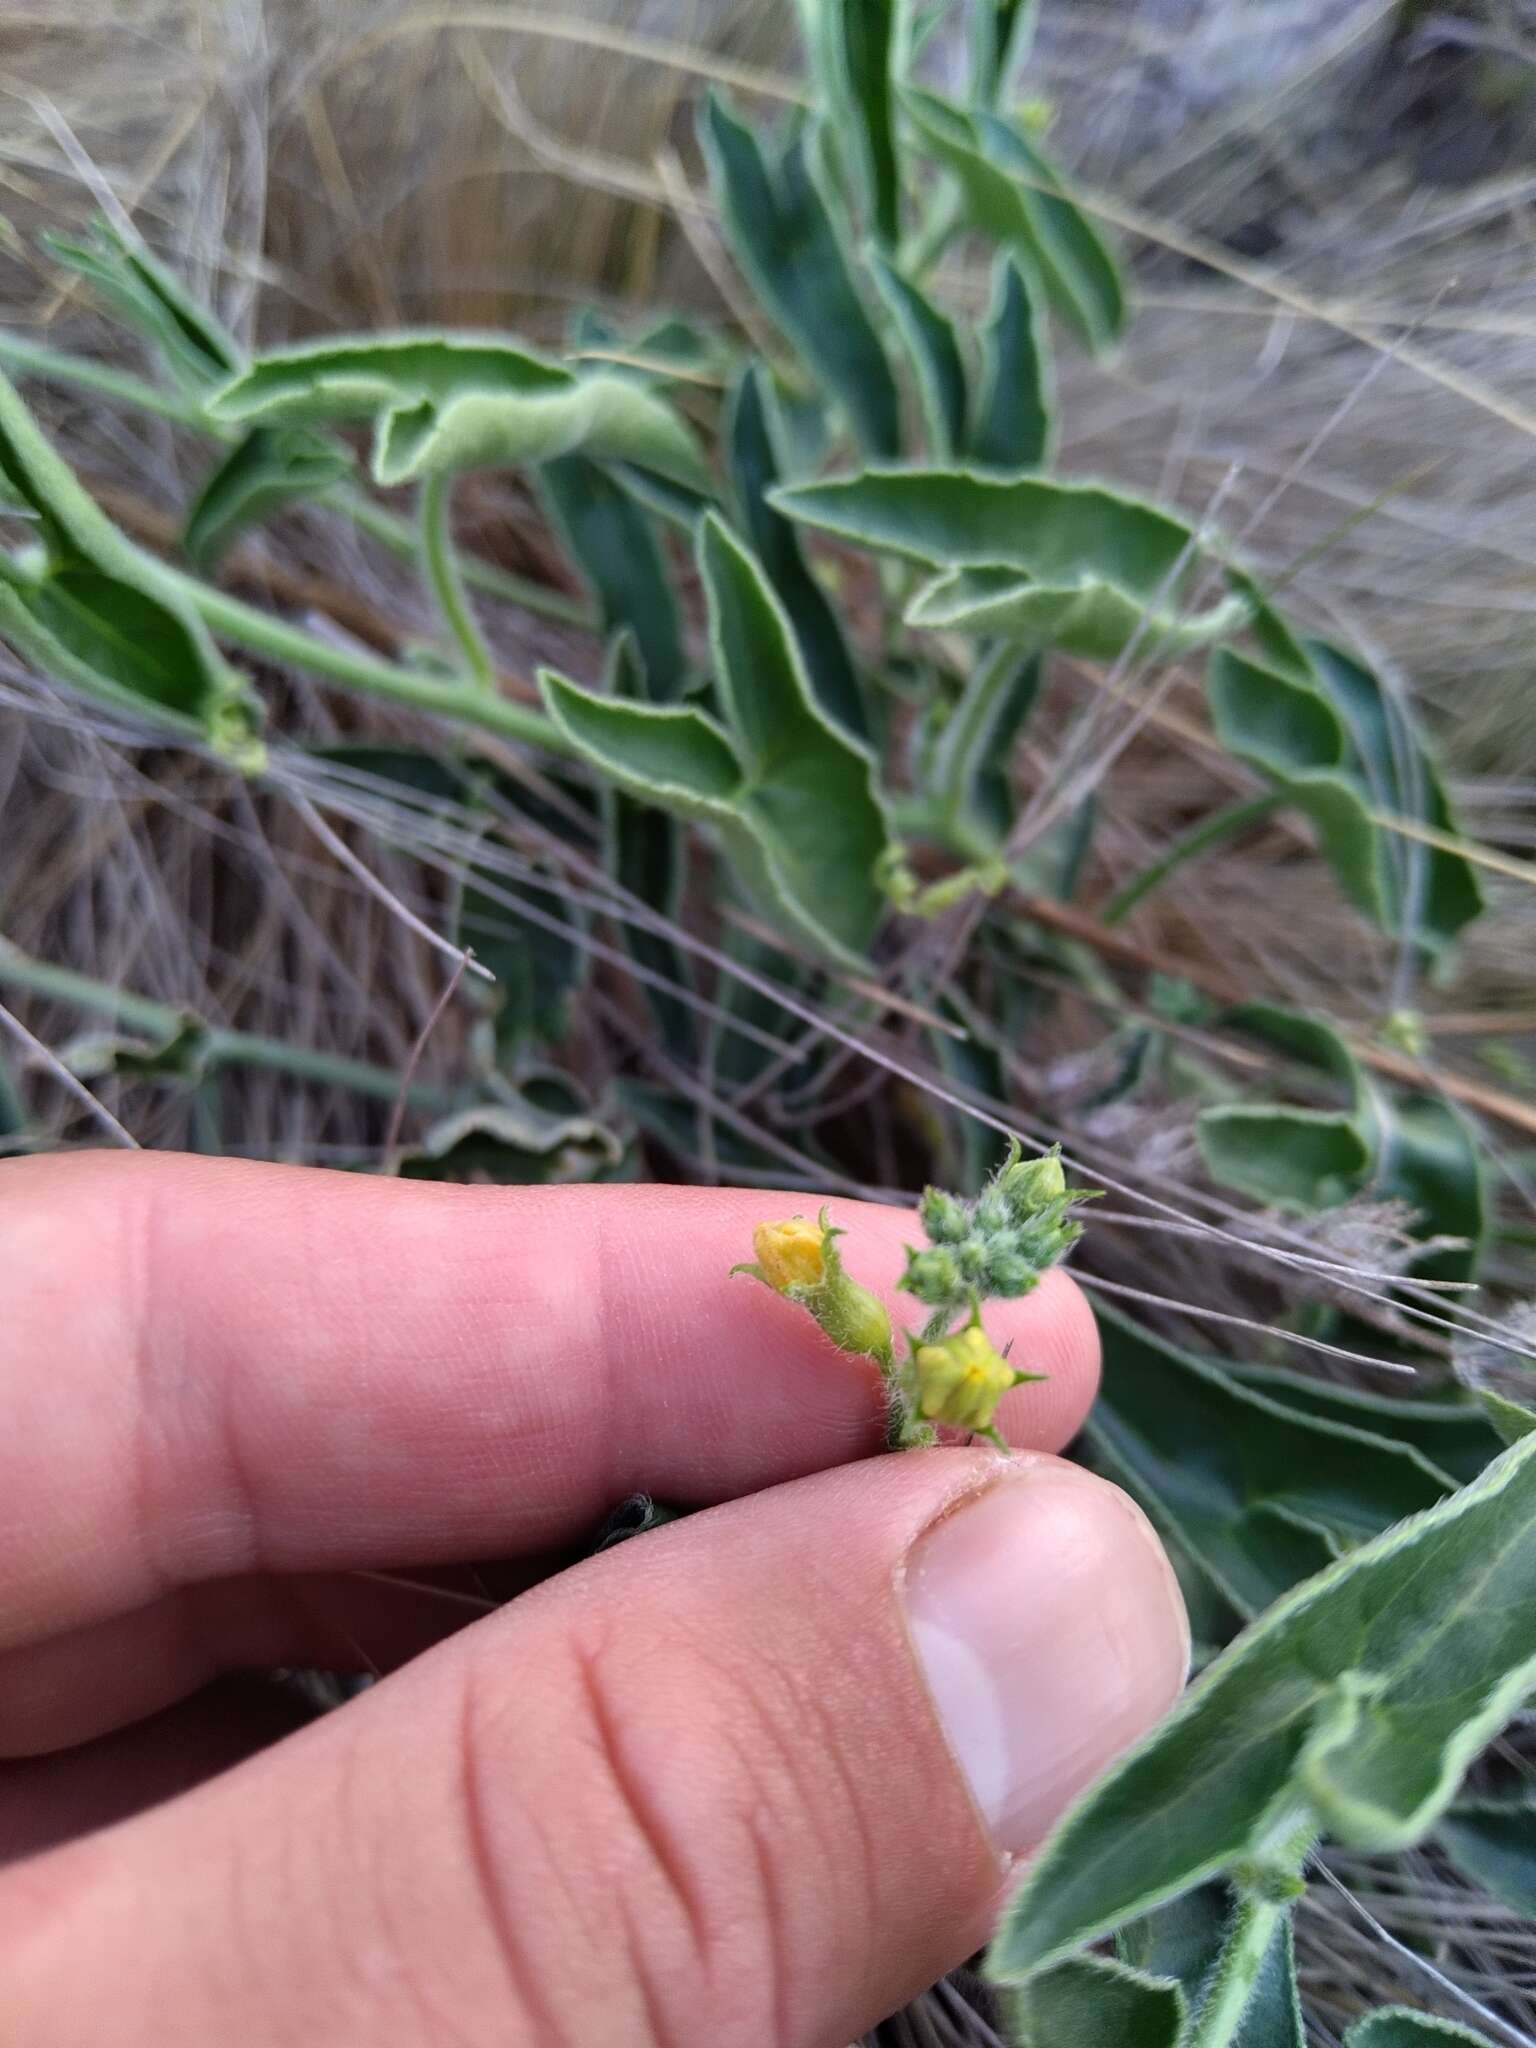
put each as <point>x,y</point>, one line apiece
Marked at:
<point>212,1368</point>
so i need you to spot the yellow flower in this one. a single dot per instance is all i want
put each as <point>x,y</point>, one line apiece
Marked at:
<point>791,1254</point>
<point>961,1378</point>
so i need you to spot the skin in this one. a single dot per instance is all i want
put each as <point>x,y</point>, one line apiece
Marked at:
<point>694,1790</point>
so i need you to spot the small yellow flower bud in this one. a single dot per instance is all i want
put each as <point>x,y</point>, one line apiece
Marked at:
<point>961,1378</point>
<point>800,1259</point>
<point>790,1254</point>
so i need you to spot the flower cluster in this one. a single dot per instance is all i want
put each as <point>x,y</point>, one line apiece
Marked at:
<point>997,1245</point>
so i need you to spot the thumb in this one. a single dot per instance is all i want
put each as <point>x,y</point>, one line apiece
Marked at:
<point>754,1777</point>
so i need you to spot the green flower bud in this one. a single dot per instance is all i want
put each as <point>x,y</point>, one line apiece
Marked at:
<point>1029,1184</point>
<point>945,1219</point>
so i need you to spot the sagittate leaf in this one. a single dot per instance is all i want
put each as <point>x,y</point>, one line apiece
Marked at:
<point>781,232</point>
<point>1054,564</point>
<point>195,347</point>
<point>753,438</point>
<point>92,610</point>
<point>1259,1494</point>
<point>933,347</point>
<point>855,45</point>
<point>790,798</point>
<point>1011,427</point>
<point>1358,1699</point>
<point>449,402</point>
<point>1399,2026</point>
<point>615,545</point>
<point>268,470</point>
<point>1015,197</point>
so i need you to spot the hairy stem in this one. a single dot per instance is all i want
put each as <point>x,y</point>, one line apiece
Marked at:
<point>400,537</point>
<point>84,373</point>
<point>158,1020</point>
<point>440,565</point>
<point>461,699</point>
<point>1265,1900</point>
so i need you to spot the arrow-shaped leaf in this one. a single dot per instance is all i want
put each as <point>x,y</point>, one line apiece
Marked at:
<point>450,402</point>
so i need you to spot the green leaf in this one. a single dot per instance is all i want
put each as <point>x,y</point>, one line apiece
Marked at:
<point>1493,1841</point>
<point>271,468</point>
<point>1095,2002</point>
<point>1399,1144</point>
<point>1429,1156</point>
<point>197,349</point>
<point>668,754</point>
<point>753,438</point>
<point>615,546</point>
<point>448,402</point>
<point>1359,1699</point>
<point>92,610</point>
<point>1191,1940</point>
<point>647,856</point>
<point>789,796</point>
<point>178,1054</point>
<point>512,1142</point>
<point>1259,1494</point>
<point>781,233</point>
<point>1071,565</point>
<point>1435,892</point>
<point>1455,1436</point>
<point>1016,198</point>
<point>810,790</point>
<point>968,773</point>
<point>1095,622</point>
<point>1301,1159</point>
<point>1321,727</point>
<point>1012,424</point>
<point>933,348</point>
<point>1278,723</point>
<point>1398,2026</point>
<point>1001,34</point>
<point>854,46</point>
<point>1512,1419</point>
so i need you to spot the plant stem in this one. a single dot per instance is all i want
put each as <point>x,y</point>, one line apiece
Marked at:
<point>158,1020</point>
<point>85,374</point>
<point>1264,1905</point>
<point>463,700</point>
<point>399,536</point>
<point>440,565</point>
<point>1235,818</point>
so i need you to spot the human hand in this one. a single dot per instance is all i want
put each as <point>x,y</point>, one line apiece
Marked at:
<point>756,1777</point>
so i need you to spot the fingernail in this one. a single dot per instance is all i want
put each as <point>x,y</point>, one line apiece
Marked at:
<point>1050,1629</point>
